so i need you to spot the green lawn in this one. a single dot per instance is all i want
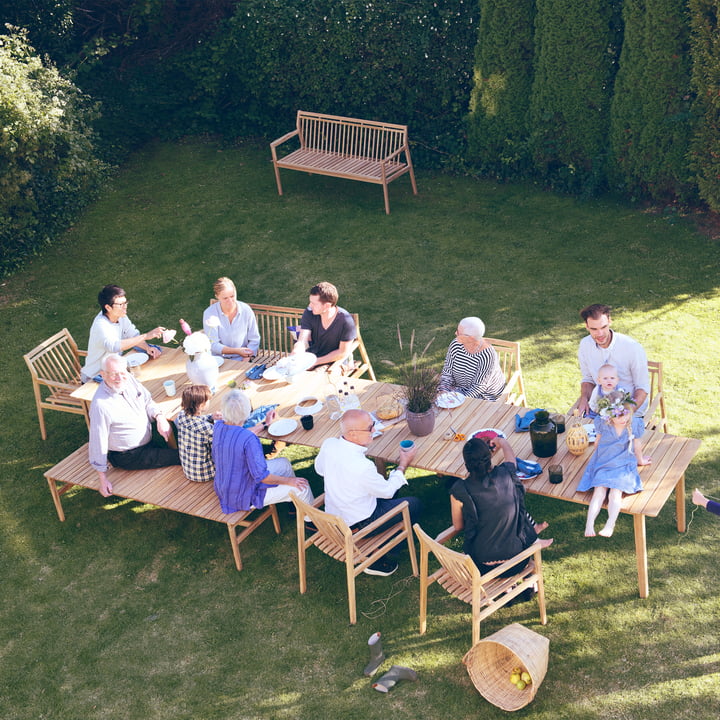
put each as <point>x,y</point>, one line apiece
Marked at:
<point>126,611</point>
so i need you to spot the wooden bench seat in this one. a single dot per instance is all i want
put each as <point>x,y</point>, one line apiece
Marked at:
<point>349,148</point>
<point>166,488</point>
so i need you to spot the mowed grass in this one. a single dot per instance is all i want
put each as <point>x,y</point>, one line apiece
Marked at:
<point>126,611</point>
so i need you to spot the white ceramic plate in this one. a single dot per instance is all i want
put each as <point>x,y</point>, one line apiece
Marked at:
<point>296,363</point>
<point>271,374</point>
<point>448,400</point>
<point>219,360</point>
<point>283,427</point>
<point>495,430</point>
<point>310,408</point>
<point>136,358</point>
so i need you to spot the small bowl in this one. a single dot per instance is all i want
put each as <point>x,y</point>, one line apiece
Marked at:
<point>305,407</point>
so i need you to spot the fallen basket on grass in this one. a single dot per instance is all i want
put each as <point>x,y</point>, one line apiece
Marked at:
<point>491,661</point>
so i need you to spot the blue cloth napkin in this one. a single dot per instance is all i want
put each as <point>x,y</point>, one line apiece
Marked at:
<point>255,372</point>
<point>527,468</point>
<point>522,424</point>
<point>258,415</point>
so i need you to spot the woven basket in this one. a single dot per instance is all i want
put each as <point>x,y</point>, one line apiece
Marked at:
<point>491,662</point>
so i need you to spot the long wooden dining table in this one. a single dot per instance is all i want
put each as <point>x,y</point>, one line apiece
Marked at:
<point>670,454</point>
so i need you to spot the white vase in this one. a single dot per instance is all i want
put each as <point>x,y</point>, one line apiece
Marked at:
<point>202,369</point>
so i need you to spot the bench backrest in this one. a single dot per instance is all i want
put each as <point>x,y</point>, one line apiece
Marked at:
<point>350,137</point>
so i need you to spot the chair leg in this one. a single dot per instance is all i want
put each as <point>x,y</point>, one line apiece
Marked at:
<point>423,589</point>
<point>350,571</point>
<point>301,551</point>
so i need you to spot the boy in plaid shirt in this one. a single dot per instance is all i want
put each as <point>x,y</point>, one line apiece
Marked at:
<point>195,431</point>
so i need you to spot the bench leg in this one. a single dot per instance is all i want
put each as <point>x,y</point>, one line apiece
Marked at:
<point>56,497</point>
<point>641,554</point>
<point>387,200</point>
<point>247,527</point>
<point>277,179</point>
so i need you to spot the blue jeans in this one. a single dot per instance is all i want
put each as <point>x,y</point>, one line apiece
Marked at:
<point>385,505</point>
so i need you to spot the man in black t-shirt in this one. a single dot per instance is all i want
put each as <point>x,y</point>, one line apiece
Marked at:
<point>326,330</point>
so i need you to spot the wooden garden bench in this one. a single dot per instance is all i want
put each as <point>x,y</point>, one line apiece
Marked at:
<point>364,150</point>
<point>164,487</point>
<point>275,337</point>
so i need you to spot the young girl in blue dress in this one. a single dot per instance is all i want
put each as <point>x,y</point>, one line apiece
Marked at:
<point>613,468</point>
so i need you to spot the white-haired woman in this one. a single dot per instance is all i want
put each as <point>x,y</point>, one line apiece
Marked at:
<point>244,479</point>
<point>471,365</point>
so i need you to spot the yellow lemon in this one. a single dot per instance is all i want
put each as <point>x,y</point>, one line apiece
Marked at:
<point>525,677</point>
<point>520,685</point>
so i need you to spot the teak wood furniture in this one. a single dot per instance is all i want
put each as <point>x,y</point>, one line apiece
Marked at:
<point>372,152</point>
<point>670,454</point>
<point>358,550</point>
<point>165,488</point>
<point>55,369</point>
<point>508,353</point>
<point>487,593</point>
<point>275,337</point>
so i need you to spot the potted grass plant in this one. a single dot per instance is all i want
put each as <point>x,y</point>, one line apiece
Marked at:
<point>419,388</point>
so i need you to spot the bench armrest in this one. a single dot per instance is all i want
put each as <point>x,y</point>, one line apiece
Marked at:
<point>284,138</point>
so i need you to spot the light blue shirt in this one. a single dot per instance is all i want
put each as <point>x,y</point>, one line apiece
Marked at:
<point>241,332</point>
<point>105,337</point>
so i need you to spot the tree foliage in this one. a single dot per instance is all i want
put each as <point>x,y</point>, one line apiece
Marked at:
<point>705,146</point>
<point>498,120</point>
<point>48,168</point>
<point>577,44</point>
<point>650,117</point>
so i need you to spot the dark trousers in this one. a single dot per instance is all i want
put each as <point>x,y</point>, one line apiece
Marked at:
<point>144,457</point>
<point>385,505</point>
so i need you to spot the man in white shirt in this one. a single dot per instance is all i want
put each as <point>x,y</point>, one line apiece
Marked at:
<point>354,489</point>
<point>604,346</point>
<point>120,431</point>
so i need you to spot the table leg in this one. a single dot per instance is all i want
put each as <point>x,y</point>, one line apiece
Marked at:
<point>641,554</point>
<point>680,503</point>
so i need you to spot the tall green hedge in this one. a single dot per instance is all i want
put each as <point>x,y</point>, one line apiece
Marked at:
<point>705,147</point>
<point>650,117</point>
<point>498,125</point>
<point>577,44</point>
<point>48,167</point>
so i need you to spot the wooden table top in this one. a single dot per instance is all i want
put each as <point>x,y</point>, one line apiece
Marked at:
<point>670,454</point>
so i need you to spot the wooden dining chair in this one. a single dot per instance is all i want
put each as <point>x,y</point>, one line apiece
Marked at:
<point>55,369</point>
<point>656,399</point>
<point>358,550</point>
<point>486,593</point>
<point>509,356</point>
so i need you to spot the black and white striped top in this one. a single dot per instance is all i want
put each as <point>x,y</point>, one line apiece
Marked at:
<point>477,375</point>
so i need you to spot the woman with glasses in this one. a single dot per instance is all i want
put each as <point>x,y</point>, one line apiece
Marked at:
<point>113,332</point>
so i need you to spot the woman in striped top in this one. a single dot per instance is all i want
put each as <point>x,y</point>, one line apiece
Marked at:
<point>471,364</point>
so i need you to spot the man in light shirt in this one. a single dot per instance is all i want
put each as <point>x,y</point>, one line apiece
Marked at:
<point>354,489</point>
<point>120,425</point>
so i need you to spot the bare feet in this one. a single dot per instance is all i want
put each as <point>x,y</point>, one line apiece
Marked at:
<point>607,531</point>
<point>547,542</point>
<point>644,460</point>
<point>539,527</point>
<point>589,532</point>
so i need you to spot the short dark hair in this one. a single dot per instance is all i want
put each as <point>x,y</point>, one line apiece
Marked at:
<point>108,294</point>
<point>595,311</point>
<point>194,397</point>
<point>326,291</point>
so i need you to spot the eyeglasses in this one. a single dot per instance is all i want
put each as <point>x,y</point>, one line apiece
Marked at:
<point>368,430</point>
<point>121,304</point>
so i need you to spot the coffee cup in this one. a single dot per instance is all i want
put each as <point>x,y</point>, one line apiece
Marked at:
<point>307,422</point>
<point>169,386</point>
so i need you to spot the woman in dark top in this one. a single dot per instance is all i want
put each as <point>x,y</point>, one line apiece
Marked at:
<point>490,506</point>
<point>710,505</point>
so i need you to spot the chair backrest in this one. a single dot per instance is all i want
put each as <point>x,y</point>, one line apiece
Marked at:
<point>460,566</point>
<point>656,398</point>
<point>273,323</point>
<point>509,356</point>
<point>57,360</point>
<point>337,536</point>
